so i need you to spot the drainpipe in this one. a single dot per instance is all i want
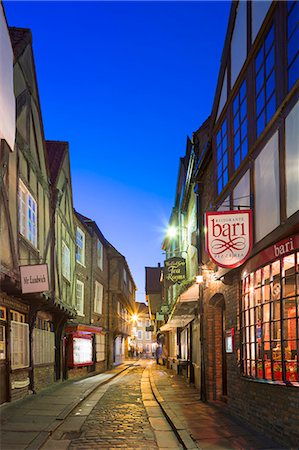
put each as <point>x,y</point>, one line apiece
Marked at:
<point>199,231</point>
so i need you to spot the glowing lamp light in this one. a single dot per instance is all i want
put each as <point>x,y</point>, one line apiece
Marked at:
<point>171,232</point>
<point>199,279</point>
<point>134,317</point>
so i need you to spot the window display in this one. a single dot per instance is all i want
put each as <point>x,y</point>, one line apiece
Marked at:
<point>270,321</point>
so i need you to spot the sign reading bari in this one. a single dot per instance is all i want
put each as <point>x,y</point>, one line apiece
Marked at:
<point>34,278</point>
<point>229,237</point>
<point>175,270</point>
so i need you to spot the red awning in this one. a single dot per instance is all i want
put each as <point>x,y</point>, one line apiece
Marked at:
<point>83,328</point>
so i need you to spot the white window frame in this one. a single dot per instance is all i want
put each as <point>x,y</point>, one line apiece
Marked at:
<point>100,253</point>
<point>98,298</point>
<point>43,346</point>
<point>139,335</point>
<point>66,261</point>
<point>148,336</point>
<point>100,347</point>
<point>80,300</point>
<point>19,344</point>
<point>80,246</point>
<point>27,214</point>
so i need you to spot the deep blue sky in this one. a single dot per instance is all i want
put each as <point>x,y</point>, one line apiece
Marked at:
<point>125,83</point>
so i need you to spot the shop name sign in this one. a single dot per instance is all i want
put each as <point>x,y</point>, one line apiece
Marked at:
<point>229,237</point>
<point>175,270</point>
<point>34,278</point>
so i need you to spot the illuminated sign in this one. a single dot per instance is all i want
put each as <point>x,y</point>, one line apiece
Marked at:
<point>175,270</point>
<point>229,237</point>
<point>34,278</point>
<point>82,349</point>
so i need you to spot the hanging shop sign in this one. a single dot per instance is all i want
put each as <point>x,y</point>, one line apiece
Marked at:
<point>229,237</point>
<point>175,270</point>
<point>34,278</point>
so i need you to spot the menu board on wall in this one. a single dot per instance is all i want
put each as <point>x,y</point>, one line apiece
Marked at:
<point>82,351</point>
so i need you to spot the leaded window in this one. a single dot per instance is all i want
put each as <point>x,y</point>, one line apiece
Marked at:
<point>269,321</point>
<point>240,125</point>
<point>222,157</point>
<point>293,43</point>
<point>265,83</point>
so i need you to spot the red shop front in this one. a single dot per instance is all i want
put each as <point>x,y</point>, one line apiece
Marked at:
<point>80,345</point>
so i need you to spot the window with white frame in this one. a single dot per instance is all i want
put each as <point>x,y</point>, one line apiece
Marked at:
<point>19,341</point>
<point>140,322</point>
<point>100,347</point>
<point>80,298</point>
<point>139,335</point>
<point>43,346</point>
<point>147,335</point>
<point>66,261</point>
<point>27,214</point>
<point>80,240</point>
<point>98,298</point>
<point>100,254</point>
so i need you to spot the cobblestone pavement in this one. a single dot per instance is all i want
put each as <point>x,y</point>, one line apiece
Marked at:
<point>119,419</point>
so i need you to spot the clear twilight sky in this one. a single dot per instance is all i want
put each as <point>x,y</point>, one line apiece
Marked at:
<point>125,83</point>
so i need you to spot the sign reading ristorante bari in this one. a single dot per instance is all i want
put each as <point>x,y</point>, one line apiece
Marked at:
<point>229,237</point>
<point>175,270</point>
<point>34,278</point>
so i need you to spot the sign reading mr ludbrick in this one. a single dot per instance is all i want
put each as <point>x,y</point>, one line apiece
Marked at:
<point>229,237</point>
<point>34,278</point>
<point>175,270</point>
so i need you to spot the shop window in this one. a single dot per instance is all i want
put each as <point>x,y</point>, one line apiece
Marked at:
<point>2,313</point>
<point>265,83</point>
<point>80,298</point>
<point>222,157</point>
<point>293,43</point>
<point>240,125</point>
<point>98,298</point>
<point>80,240</point>
<point>19,341</point>
<point>100,254</point>
<point>270,315</point>
<point>292,160</point>
<point>100,347</point>
<point>27,214</point>
<point>66,261</point>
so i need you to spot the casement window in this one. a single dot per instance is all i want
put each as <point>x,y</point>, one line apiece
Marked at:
<point>100,254</point>
<point>27,214</point>
<point>240,125</point>
<point>140,322</point>
<point>125,276</point>
<point>98,298</point>
<point>293,43</point>
<point>80,298</point>
<point>139,334</point>
<point>267,189</point>
<point>100,347</point>
<point>19,340</point>
<point>265,83</point>
<point>43,346</point>
<point>269,321</point>
<point>292,160</point>
<point>80,240</point>
<point>66,261</point>
<point>222,157</point>
<point>148,335</point>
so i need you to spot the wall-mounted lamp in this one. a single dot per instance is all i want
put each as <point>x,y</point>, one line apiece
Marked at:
<point>199,279</point>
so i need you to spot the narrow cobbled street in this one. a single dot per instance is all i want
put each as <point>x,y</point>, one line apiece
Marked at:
<point>119,419</point>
